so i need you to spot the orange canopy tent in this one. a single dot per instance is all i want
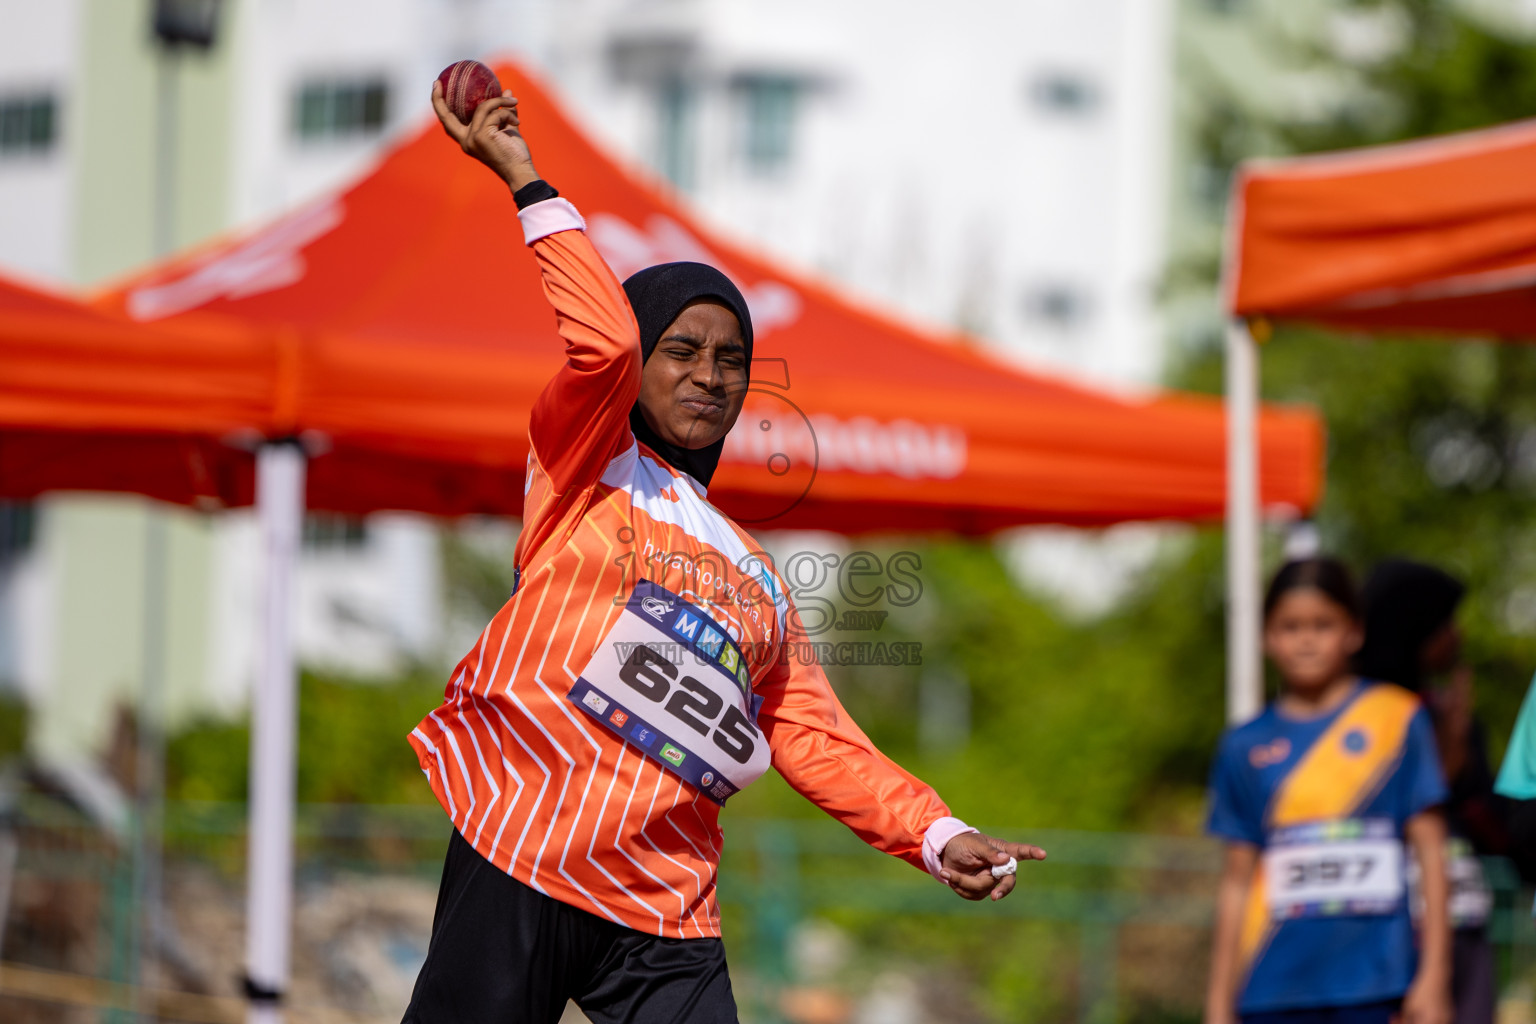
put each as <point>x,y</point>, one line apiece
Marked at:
<point>91,401</point>
<point>1437,235</point>
<point>177,411</point>
<point>406,329</point>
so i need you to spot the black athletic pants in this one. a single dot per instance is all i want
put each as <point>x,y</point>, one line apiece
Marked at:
<point>503,953</point>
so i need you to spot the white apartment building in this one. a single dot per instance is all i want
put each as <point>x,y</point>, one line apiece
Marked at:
<point>993,166</point>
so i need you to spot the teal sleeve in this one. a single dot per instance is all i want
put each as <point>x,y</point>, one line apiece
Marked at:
<point>1517,776</point>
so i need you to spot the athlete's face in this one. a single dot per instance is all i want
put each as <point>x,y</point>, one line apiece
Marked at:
<point>1310,638</point>
<point>695,381</point>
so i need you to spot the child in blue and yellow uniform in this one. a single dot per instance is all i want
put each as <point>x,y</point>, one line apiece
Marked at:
<point>1315,799</point>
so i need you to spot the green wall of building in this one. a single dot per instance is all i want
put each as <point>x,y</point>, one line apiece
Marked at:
<point>97,545</point>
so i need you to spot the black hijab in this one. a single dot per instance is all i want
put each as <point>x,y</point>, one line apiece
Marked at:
<point>657,295</point>
<point>1405,604</point>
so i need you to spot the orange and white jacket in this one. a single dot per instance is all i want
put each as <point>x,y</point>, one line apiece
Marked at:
<point>543,791</point>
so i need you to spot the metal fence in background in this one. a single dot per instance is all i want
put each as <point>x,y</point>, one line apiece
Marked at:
<point>1097,898</point>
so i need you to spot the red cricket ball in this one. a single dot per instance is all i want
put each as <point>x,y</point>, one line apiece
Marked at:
<point>466,85</point>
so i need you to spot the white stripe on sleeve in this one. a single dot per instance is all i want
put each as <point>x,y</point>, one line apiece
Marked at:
<point>548,217</point>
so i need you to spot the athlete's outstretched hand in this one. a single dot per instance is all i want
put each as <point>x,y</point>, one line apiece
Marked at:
<point>969,859</point>
<point>492,136</point>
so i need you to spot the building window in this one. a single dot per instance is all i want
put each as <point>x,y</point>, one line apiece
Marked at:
<point>1065,94</point>
<point>340,108</point>
<point>1057,305</point>
<point>768,104</point>
<point>675,109</point>
<point>327,531</point>
<point>18,528</point>
<point>29,124</point>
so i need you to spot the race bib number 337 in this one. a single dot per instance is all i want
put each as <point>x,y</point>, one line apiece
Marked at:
<point>667,680</point>
<point>1350,867</point>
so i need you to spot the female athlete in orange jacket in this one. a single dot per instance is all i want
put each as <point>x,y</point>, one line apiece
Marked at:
<point>638,676</point>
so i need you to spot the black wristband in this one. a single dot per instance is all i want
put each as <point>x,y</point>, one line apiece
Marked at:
<point>535,191</point>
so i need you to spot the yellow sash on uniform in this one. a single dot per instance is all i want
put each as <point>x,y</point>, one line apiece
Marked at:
<point>1331,781</point>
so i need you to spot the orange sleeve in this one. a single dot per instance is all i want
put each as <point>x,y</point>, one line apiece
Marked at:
<point>823,754</point>
<point>581,419</point>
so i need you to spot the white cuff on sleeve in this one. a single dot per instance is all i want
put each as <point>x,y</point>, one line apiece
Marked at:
<point>548,217</point>
<point>936,838</point>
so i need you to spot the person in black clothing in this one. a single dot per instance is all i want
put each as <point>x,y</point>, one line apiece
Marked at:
<point>1411,639</point>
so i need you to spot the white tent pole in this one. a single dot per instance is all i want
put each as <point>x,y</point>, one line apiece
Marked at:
<point>274,721</point>
<point>1245,679</point>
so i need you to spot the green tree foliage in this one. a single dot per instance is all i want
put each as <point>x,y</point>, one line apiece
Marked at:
<point>352,745</point>
<point>14,716</point>
<point>1045,747</point>
<point>1451,72</point>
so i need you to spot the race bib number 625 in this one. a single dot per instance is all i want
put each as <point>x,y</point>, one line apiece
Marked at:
<point>669,681</point>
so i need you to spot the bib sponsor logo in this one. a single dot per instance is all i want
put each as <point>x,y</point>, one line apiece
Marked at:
<point>618,718</point>
<point>673,755</point>
<point>596,702</point>
<point>1266,754</point>
<point>721,790</point>
<point>686,626</point>
<point>707,779</point>
<point>643,736</point>
<point>656,608</point>
<point>710,643</point>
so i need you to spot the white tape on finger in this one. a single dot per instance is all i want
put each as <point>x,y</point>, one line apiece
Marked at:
<point>1011,868</point>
